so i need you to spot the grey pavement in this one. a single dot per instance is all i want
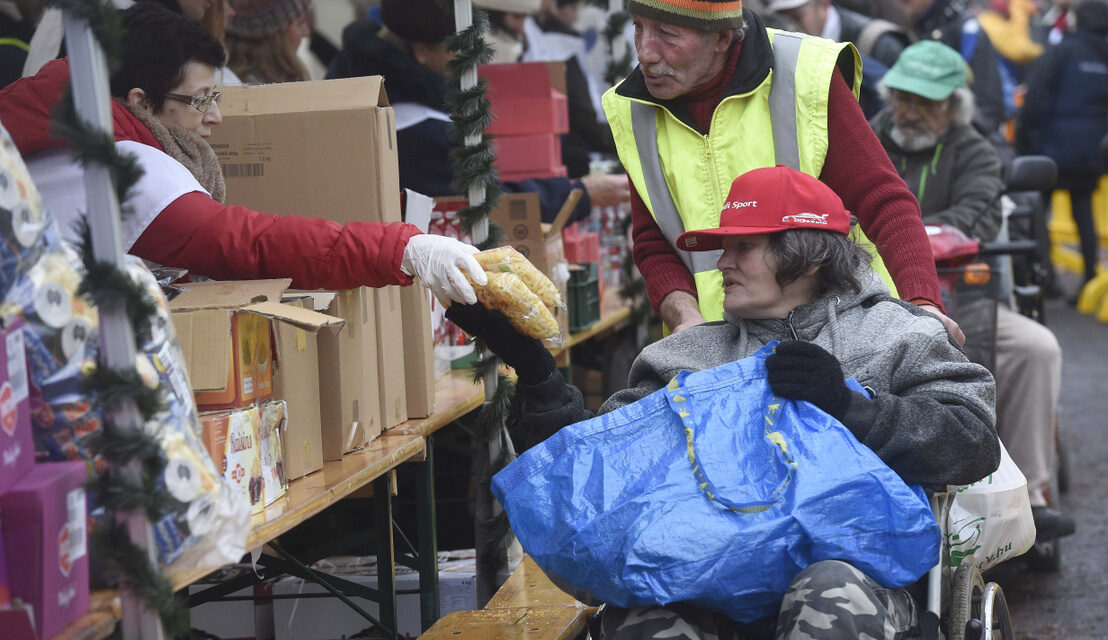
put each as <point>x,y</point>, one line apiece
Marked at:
<point>1073,602</point>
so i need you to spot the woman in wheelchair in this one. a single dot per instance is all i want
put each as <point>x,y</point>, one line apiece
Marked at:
<point>791,273</point>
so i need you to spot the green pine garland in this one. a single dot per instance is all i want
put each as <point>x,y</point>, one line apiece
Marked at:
<point>470,115</point>
<point>474,167</point>
<point>110,288</point>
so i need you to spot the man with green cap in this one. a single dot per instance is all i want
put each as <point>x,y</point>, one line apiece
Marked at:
<point>955,173</point>
<point>930,103</point>
<point>717,94</point>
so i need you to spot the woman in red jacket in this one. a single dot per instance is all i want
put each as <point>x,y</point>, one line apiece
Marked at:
<point>166,103</point>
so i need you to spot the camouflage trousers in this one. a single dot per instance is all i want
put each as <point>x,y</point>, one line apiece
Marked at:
<point>827,601</point>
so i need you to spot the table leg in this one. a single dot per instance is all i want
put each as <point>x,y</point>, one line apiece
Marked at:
<point>428,540</point>
<point>386,553</point>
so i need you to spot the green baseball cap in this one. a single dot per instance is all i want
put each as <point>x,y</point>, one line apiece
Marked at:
<point>928,68</point>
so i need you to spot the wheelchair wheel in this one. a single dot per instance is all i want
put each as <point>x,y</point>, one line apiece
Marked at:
<point>965,600</point>
<point>978,611</point>
<point>997,620</point>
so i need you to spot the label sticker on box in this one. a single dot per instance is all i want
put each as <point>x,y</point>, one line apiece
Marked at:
<point>17,365</point>
<point>75,524</point>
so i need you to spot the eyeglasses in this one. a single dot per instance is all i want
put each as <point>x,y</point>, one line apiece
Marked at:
<point>922,106</point>
<point>200,103</point>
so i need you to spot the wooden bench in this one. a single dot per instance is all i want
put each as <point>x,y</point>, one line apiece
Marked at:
<point>527,606</point>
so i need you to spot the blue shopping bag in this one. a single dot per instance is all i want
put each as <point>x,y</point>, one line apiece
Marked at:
<point>715,492</point>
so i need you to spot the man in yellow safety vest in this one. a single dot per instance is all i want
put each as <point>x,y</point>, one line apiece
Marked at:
<point>717,94</point>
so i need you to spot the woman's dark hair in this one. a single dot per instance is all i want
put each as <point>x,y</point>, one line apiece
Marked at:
<point>836,255</point>
<point>157,45</point>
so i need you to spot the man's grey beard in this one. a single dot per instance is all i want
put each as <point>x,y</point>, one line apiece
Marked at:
<point>913,140</point>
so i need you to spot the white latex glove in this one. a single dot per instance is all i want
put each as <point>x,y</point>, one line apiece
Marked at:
<point>438,261</point>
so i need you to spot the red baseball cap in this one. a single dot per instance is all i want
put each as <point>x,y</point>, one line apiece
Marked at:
<point>770,200</point>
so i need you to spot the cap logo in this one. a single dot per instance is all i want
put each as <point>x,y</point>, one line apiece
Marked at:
<point>690,242</point>
<point>806,218</point>
<point>739,205</point>
<point>923,67</point>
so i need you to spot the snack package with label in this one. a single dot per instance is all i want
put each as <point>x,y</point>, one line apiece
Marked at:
<point>507,260</point>
<point>274,483</point>
<point>521,292</point>
<point>206,526</point>
<point>246,443</point>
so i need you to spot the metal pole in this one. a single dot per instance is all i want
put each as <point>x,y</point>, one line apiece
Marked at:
<point>89,82</point>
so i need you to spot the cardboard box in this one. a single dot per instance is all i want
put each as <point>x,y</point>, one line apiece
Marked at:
<point>327,618</point>
<point>296,381</point>
<point>390,356</point>
<point>225,334</point>
<point>46,543</point>
<point>17,447</point>
<point>419,350</point>
<point>349,396</point>
<point>322,149</point>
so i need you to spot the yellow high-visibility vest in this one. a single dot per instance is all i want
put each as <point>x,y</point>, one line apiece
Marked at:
<point>684,177</point>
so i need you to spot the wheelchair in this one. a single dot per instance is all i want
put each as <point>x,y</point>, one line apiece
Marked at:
<point>960,605</point>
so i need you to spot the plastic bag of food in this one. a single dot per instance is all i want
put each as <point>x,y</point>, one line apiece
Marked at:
<point>521,292</point>
<point>39,276</point>
<point>507,260</point>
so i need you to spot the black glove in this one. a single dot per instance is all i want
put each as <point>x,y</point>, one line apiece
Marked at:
<point>805,371</point>
<point>532,362</point>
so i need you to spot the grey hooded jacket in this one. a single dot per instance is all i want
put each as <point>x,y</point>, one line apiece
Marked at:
<point>932,416</point>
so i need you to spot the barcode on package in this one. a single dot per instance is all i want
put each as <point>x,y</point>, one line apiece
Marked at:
<point>243,170</point>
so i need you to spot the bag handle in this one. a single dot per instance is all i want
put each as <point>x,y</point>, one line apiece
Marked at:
<point>681,403</point>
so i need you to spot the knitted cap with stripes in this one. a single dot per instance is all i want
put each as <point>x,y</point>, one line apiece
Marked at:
<point>709,15</point>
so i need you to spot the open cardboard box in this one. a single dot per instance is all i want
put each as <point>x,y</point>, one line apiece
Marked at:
<point>321,149</point>
<point>225,334</point>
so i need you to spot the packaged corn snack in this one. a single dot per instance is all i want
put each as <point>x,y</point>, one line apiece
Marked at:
<point>507,259</point>
<point>507,293</point>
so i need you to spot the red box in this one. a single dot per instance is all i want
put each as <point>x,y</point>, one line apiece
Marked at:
<point>17,447</point>
<point>524,116</point>
<point>581,246</point>
<point>46,545</point>
<point>524,99</point>
<point>531,155</point>
<point>512,176</point>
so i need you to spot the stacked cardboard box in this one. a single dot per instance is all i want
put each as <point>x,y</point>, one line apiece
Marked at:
<point>530,114</point>
<point>238,339</point>
<point>278,146</point>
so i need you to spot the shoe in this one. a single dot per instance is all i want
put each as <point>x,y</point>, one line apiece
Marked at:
<point>1051,524</point>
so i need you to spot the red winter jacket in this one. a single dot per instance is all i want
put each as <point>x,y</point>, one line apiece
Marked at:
<point>224,242</point>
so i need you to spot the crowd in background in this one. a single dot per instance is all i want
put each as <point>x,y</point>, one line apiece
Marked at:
<point>950,91</point>
<point>1034,54</point>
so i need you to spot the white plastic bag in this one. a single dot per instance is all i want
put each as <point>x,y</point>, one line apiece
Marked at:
<point>990,520</point>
